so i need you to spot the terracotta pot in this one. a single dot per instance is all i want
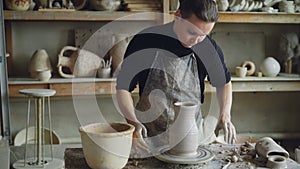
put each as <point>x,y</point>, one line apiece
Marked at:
<point>18,5</point>
<point>39,61</point>
<point>270,67</point>
<point>106,145</point>
<point>184,134</point>
<point>82,63</point>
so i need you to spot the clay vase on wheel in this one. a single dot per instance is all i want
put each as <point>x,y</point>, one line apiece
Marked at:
<point>81,63</point>
<point>183,134</point>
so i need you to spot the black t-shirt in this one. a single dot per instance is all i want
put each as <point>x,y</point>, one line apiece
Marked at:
<point>142,49</point>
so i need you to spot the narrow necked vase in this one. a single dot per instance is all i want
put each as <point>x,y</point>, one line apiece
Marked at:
<point>183,133</point>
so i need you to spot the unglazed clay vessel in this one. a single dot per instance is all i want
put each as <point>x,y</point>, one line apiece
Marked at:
<point>270,67</point>
<point>39,61</point>
<point>18,5</point>
<point>82,63</point>
<point>106,145</point>
<point>267,147</point>
<point>240,71</point>
<point>276,162</point>
<point>117,52</point>
<point>183,134</point>
<point>43,74</point>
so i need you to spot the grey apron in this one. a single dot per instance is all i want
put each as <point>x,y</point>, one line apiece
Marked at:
<point>170,79</point>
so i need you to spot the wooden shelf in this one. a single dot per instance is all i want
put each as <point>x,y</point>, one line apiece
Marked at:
<point>256,17</point>
<point>97,86</point>
<point>259,17</point>
<point>78,16</point>
<point>225,17</point>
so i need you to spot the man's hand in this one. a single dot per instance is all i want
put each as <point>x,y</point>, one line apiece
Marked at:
<point>139,134</point>
<point>229,130</point>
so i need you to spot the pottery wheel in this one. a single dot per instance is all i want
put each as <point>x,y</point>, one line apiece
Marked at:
<point>203,155</point>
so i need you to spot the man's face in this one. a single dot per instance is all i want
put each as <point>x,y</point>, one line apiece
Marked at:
<point>192,30</point>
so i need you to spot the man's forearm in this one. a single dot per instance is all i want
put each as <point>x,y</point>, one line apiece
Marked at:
<point>224,95</point>
<point>126,105</point>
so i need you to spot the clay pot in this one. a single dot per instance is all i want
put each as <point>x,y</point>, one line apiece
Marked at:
<point>183,134</point>
<point>18,5</point>
<point>105,5</point>
<point>117,52</point>
<point>82,63</point>
<point>270,67</point>
<point>104,72</point>
<point>106,145</point>
<point>39,61</point>
<point>43,75</point>
<point>240,71</point>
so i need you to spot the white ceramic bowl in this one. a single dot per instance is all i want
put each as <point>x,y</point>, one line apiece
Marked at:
<point>106,145</point>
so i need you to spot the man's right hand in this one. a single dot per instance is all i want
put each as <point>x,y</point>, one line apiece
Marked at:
<point>139,134</point>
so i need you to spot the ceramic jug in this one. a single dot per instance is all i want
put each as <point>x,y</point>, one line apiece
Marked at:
<point>39,61</point>
<point>270,67</point>
<point>82,63</point>
<point>183,133</point>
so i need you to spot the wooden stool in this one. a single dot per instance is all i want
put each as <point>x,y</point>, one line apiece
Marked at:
<point>39,161</point>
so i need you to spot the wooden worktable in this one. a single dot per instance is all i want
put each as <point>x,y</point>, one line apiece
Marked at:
<point>74,159</point>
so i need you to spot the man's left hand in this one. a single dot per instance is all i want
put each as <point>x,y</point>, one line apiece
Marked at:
<point>227,126</point>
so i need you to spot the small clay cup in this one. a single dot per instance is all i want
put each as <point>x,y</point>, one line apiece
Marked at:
<point>276,162</point>
<point>43,74</point>
<point>106,145</point>
<point>240,71</point>
<point>104,72</point>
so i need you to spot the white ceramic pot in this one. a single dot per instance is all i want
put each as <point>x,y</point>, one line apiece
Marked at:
<point>270,67</point>
<point>106,145</point>
<point>18,5</point>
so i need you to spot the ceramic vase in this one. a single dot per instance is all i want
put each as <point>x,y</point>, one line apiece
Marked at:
<point>39,61</point>
<point>183,133</point>
<point>267,147</point>
<point>270,67</point>
<point>106,145</point>
<point>117,52</point>
<point>18,5</point>
<point>81,63</point>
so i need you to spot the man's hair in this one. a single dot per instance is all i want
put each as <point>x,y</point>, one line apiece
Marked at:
<point>205,10</point>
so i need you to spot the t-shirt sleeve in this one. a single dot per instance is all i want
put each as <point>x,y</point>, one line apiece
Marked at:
<point>136,60</point>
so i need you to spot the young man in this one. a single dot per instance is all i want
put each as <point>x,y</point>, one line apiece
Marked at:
<point>170,63</point>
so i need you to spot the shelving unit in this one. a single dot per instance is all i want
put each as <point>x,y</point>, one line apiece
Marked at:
<point>104,86</point>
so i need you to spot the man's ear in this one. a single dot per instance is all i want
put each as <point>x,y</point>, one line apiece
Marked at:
<point>178,13</point>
